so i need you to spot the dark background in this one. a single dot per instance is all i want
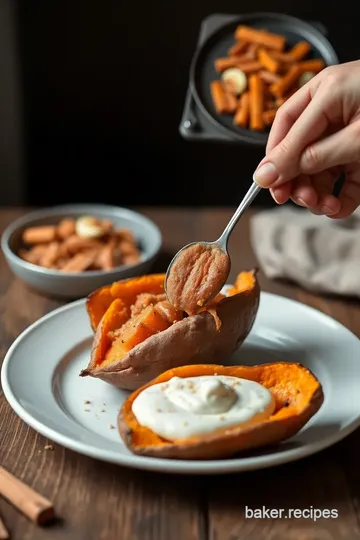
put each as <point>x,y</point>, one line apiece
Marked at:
<point>95,93</point>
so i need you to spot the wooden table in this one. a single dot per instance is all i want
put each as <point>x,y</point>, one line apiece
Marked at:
<point>99,501</point>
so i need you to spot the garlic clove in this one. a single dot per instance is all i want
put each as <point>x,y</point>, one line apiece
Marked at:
<point>89,227</point>
<point>234,80</point>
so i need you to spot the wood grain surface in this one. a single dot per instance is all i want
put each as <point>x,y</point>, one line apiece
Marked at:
<point>98,501</point>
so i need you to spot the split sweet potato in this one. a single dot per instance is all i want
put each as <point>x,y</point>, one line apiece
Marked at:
<point>298,396</point>
<point>159,337</point>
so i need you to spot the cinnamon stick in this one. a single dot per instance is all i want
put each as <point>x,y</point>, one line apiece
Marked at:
<point>4,533</point>
<point>33,505</point>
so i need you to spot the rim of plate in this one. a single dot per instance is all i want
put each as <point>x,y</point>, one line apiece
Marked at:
<point>172,466</point>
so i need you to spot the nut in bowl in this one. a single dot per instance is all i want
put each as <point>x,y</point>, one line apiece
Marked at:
<point>70,250</point>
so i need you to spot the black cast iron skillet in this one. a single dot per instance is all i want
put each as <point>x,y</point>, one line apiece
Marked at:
<point>202,70</point>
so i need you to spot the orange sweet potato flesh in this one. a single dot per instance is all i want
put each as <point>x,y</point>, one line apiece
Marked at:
<point>115,316</point>
<point>138,354</point>
<point>149,322</point>
<point>98,302</point>
<point>298,396</point>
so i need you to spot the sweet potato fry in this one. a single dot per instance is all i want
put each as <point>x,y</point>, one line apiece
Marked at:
<point>80,262</point>
<point>283,57</point>
<point>238,48</point>
<point>224,102</point>
<point>269,116</point>
<point>50,255</point>
<point>300,50</point>
<point>315,65</point>
<point>34,254</point>
<point>280,88</point>
<point>39,235</point>
<point>127,248</point>
<point>221,64</point>
<point>241,117</point>
<point>65,228</point>
<point>268,62</point>
<point>218,97</point>
<point>252,51</point>
<point>106,256</point>
<point>116,315</point>
<point>108,226</point>
<point>249,67</point>
<point>261,37</point>
<point>256,104</point>
<point>268,77</point>
<point>124,234</point>
<point>131,259</point>
<point>74,244</point>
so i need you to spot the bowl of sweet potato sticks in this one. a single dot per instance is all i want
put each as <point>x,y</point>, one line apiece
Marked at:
<point>68,250</point>
<point>246,70</point>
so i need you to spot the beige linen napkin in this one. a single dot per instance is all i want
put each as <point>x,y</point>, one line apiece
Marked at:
<point>318,253</point>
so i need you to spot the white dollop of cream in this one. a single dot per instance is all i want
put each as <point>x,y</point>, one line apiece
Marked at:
<point>182,408</point>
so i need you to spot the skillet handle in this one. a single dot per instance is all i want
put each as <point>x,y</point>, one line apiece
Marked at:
<point>191,123</point>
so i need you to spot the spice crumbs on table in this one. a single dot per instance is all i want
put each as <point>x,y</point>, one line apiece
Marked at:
<point>111,426</point>
<point>87,401</point>
<point>48,447</point>
<point>102,410</point>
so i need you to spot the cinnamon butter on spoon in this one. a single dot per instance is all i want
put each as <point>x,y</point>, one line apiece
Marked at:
<point>197,274</point>
<point>199,270</point>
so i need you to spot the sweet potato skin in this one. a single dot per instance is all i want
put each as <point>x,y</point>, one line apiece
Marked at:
<point>230,441</point>
<point>193,340</point>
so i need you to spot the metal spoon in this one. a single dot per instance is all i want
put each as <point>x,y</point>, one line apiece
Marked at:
<point>222,242</point>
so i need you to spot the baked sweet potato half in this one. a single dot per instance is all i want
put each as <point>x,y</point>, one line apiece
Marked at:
<point>297,394</point>
<point>139,334</point>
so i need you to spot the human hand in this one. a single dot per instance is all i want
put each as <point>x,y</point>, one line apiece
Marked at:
<point>314,138</point>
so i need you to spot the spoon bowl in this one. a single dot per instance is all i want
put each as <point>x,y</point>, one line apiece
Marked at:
<point>200,269</point>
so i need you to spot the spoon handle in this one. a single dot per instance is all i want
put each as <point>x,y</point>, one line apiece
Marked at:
<point>245,203</point>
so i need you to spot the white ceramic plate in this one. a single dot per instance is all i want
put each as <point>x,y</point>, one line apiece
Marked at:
<point>40,379</point>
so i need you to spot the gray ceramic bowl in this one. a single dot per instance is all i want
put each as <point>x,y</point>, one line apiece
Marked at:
<point>76,285</point>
